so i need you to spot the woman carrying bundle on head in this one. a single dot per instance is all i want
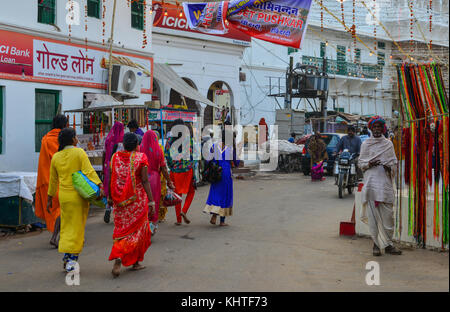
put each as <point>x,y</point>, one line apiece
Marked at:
<point>74,209</point>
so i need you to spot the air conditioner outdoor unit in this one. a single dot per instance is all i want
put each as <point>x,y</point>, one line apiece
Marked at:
<point>126,80</point>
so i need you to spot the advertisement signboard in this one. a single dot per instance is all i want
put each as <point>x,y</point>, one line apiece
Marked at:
<point>170,16</point>
<point>171,115</point>
<point>282,22</point>
<point>29,58</point>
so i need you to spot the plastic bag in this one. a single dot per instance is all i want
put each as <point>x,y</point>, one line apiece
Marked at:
<point>171,198</point>
<point>87,189</point>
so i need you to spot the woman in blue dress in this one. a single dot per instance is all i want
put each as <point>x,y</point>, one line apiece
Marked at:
<point>220,198</point>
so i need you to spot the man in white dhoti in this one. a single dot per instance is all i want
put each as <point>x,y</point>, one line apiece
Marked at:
<point>378,162</point>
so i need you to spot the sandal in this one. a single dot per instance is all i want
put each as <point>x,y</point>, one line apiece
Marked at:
<point>137,266</point>
<point>185,219</point>
<point>376,251</point>
<point>213,220</point>
<point>392,250</point>
<point>116,268</point>
<point>224,224</point>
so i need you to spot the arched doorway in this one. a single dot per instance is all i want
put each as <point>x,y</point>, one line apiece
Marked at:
<point>156,95</point>
<point>176,99</point>
<point>219,93</point>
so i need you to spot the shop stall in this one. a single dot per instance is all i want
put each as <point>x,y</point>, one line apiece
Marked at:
<point>97,120</point>
<point>422,206</point>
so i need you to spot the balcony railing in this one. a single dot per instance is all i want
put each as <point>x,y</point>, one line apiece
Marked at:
<point>335,67</point>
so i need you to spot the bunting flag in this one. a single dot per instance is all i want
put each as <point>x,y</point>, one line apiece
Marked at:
<point>278,21</point>
<point>426,140</point>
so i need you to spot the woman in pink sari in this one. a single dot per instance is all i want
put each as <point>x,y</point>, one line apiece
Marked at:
<point>156,164</point>
<point>115,136</point>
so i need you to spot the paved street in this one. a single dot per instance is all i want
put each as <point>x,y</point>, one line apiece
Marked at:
<point>283,237</point>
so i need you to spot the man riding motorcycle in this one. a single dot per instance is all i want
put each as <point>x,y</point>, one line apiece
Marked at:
<point>352,143</point>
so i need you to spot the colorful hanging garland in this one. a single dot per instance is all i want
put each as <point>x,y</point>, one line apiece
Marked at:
<point>86,25</point>
<point>411,41</point>
<point>321,15</point>
<point>343,13</point>
<point>425,146</point>
<point>354,29</point>
<point>374,28</point>
<point>103,22</point>
<point>431,22</point>
<point>144,33</point>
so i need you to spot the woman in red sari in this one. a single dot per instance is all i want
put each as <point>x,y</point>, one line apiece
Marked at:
<point>132,198</point>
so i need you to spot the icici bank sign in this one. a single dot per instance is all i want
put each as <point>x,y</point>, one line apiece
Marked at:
<point>175,22</point>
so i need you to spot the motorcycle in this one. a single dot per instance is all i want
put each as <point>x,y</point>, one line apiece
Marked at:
<point>345,172</point>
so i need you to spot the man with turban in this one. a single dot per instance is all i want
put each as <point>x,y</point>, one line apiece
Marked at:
<point>378,162</point>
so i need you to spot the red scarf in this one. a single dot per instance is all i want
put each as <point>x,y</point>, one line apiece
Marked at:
<point>126,195</point>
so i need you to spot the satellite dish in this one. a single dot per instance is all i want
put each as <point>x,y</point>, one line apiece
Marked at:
<point>129,81</point>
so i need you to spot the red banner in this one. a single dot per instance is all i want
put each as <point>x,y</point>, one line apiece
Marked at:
<point>29,58</point>
<point>171,16</point>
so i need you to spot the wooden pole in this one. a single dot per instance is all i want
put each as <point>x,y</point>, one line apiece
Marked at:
<point>111,39</point>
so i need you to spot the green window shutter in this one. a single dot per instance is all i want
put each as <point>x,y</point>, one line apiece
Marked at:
<point>381,45</point>
<point>46,11</point>
<point>380,58</point>
<point>323,49</point>
<point>93,7</point>
<point>292,50</point>
<point>46,106</point>
<point>341,60</point>
<point>1,120</point>
<point>358,55</point>
<point>137,14</point>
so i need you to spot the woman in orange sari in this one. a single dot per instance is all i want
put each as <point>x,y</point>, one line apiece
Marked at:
<point>49,146</point>
<point>132,198</point>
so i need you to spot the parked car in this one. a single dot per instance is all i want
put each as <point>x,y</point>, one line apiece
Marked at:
<point>331,140</point>
<point>303,139</point>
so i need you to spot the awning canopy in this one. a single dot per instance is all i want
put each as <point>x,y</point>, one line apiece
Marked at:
<point>166,75</point>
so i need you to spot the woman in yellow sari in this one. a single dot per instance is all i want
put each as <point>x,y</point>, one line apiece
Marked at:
<point>74,209</point>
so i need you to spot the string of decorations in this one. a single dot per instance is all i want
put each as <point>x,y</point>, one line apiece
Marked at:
<point>321,15</point>
<point>103,21</point>
<point>86,25</point>
<point>354,29</point>
<point>345,26</point>
<point>71,12</point>
<point>144,31</point>
<point>431,22</point>
<point>411,41</point>
<point>387,32</point>
<point>374,28</point>
<point>342,11</point>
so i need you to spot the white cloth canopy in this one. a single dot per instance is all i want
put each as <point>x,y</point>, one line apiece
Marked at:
<point>166,75</point>
<point>22,184</point>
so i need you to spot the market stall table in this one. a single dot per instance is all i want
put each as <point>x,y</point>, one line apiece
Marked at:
<point>17,190</point>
